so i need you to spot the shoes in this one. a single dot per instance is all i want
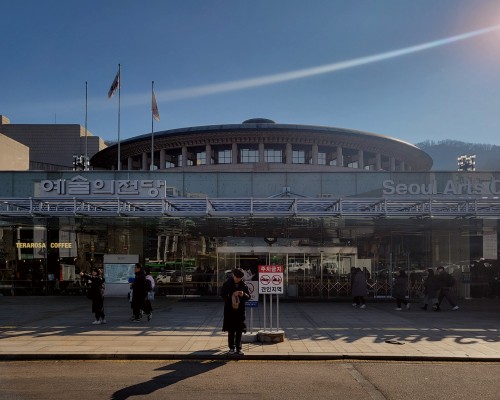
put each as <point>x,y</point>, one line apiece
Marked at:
<point>408,306</point>
<point>436,308</point>
<point>397,309</point>
<point>150,315</point>
<point>231,352</point>
<point>103,321</point>
<point>363,306</point>
<point>354,305</point>
<point>455,308</point>
<point>239,352</point>
<point>134,319</point>
<point>96,322</point>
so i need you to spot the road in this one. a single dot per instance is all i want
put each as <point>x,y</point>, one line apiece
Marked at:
<point>245,379</point>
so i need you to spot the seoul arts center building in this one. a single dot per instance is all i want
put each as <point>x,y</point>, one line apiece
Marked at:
<point>193,203</point>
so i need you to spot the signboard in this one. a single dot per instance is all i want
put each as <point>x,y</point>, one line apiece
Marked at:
<point>81,186</point>
<point>253,288</point>
<point>271,279</point>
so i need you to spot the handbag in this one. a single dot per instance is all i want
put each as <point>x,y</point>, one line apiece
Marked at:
<point>151,295</point>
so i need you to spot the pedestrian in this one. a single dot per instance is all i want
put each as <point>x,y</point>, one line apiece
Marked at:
<point>150,296</point>
<point>400,289</point>
<point>359,289</point>
<point>139,293</point>
<point>96,294</point>
<point>446,283</point>
<point>431,289</point>
<point>235,293</point>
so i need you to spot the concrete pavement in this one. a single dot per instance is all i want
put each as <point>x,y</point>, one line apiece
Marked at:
<point>59,327</point>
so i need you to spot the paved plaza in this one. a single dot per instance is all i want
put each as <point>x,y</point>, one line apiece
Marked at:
<point>59,327</point>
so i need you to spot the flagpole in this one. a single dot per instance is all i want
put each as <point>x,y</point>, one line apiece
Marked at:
<point>86,109</point>
<point>152,129</point>
<point>119,100</point>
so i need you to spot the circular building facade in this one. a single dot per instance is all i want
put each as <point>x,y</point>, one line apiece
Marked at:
<point>262,145</point>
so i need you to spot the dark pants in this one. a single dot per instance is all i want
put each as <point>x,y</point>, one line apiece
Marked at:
<point>445,293</point>
<point>234,339</point>
<point>359,300</point>
<point>399,301</point>
<point>98,308</point>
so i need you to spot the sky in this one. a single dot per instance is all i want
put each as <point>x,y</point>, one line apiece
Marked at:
<point>415,70</point>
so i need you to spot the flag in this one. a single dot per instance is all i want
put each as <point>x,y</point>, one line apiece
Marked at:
<point>115,85</point>
<point>154,107</point>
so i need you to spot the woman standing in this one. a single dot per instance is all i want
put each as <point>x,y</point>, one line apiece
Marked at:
<point>235,293</point>
<point>400,289</point>
<point>96,294</point>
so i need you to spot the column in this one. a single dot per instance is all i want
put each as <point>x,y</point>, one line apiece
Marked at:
<point>144,166</point>
<point>184,156</point>
<point>393,164</point>
<point>162,159</point>
<point>288,153</point>
<point>378,162</point>
<point>361,160</point>
<point>130,163</point>
<point>234,149</point>
<point>208,153</point>
<point>261,152</point>
<point>340,157</point>
<point>315,154</point>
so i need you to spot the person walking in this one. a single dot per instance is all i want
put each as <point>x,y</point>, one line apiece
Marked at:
<point>431,289</point>
<point>235,293</point>
<point>150,295</point>
<point>96,294</point>
<point>446,283</point>
<point>139,293</point>
<point>400,290</point>
<point>359,289</point>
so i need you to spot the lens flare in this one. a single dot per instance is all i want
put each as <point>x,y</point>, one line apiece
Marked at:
<point>206,90</point>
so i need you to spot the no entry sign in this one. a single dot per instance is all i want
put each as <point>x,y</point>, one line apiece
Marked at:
<point>271,279</point>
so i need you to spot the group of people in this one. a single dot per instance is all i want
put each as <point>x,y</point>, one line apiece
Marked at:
<point>437,286</point>
<point>141,293</point>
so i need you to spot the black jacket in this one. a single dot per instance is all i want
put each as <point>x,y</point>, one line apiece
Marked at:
<point>234,319</point>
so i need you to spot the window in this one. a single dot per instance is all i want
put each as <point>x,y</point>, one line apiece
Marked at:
<point>298,157</point>
<point>201,158</point>
<point>224,157</point>
<point>321,158</point>
<point>249,156</point>
<point>273,156</point>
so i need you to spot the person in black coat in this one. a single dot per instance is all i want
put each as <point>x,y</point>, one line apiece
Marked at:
<point>431,289</point>
<point>96,294</point>
<point>139,293</point>
<point>235,293</point>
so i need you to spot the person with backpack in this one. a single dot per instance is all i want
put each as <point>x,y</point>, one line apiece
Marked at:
<point>446,283</point>
<point>96,294</point>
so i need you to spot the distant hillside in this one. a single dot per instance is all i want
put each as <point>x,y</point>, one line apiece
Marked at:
<point>445,154</point>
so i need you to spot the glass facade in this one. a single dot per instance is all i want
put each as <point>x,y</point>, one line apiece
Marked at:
<point>411,221</point>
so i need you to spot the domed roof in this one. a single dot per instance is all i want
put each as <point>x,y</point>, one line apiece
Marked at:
<point>259,121</point>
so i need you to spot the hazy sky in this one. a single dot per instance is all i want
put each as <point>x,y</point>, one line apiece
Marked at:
<point>344,63</point>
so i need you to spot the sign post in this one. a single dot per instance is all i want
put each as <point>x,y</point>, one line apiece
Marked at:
<point>271,283</point>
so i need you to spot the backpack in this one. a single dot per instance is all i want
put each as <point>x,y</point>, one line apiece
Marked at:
<point>450,280</point>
